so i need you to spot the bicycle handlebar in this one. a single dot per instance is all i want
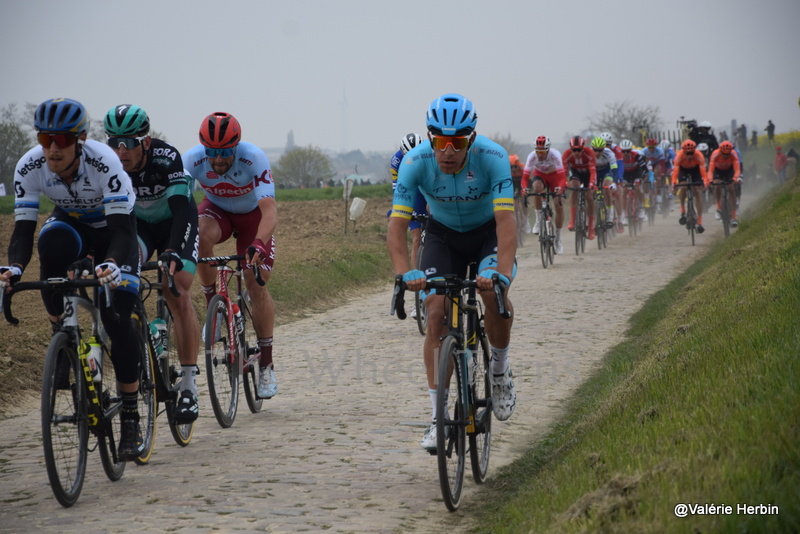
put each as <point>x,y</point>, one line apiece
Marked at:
<point>223,260</point>
<point>448,283</point>
<point>58,284</point>
<point>153,265</point>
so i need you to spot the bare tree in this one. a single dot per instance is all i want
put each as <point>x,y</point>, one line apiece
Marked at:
<point>304,166</point>
<point>626,121</point>
<point>16,138</point>
<point>511,146</point>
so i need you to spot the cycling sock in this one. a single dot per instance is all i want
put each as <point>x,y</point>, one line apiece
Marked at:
<point>432,394</point>
<point>265,344</point>
<point>209,292</point>
<point>187,380</point>
<point>499,360</point>
<point>130,405</point>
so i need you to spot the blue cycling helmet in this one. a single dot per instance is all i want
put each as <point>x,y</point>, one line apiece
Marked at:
<point>60,115</point>
<point>451,114</point>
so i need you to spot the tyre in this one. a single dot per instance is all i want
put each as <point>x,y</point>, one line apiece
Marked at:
<point>551,240</point>
<point>419,302</point>
<point>222,363</point>
<point>148,404</point>
<point>249,346</point>
<point>108,437</point>
<point>480,441</point>
<point>600,226</point>
<point>726,214</point>
<point>584,228</point>
<point>450,433</point>
<point>65,426</point>
<point>578,230</point>
<point>691,219</point>
<point>169,366</point>
<point>543,246</point>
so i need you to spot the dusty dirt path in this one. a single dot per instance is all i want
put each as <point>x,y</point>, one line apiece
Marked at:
<point>337,449</point>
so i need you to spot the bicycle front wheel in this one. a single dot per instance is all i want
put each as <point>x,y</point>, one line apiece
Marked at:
<point>251,367</point>
<point>480,441</point>
<point>726,214</point>
<point>169,366</point>
<point>450,433</point>
<point>222,362</point>
<point>148,405</point>
<point>65,427</point>
<point>111,432</point>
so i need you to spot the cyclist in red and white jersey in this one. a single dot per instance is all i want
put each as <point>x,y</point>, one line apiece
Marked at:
<point>580,163</point>
<point>240,196</point>
<point>547,168</point>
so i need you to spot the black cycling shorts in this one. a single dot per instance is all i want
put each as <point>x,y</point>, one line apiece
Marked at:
<point>448,251</point>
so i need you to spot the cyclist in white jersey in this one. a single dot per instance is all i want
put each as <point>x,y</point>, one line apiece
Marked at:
<point>93,217</point>
<point>240,197</point>
<point>466,181</point>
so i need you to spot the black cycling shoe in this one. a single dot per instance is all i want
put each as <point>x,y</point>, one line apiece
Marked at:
<point>131,443</point>
<point>700,229</point>
<point>187,409</point>
<point>682,220</point>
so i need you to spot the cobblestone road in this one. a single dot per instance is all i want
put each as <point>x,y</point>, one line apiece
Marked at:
<point>337,449</point>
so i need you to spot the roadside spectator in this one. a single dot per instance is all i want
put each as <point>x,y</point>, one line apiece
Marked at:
<point>780,164</point>
<point>770,129</point>
<point>754,140</point>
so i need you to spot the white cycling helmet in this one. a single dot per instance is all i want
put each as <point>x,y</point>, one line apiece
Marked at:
<point>626,144</point>
<point>410,141</point>
<point>704,124</point>
<point>665,145</point>
<point>702,147</point>
<point>607,137</point>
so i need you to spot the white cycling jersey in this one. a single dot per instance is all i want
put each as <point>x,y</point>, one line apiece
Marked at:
<point>101,186</point>
<point>552,163</point>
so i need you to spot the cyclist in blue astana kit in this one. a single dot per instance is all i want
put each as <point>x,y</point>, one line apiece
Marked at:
<point>466,181</point>
<point>93,216</point>
<point>240,196</point>
<point>166,223</point>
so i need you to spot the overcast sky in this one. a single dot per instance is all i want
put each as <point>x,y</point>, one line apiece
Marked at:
<point>359,74</point>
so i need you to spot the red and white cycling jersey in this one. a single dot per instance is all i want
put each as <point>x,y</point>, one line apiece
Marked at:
<point>550,165</point>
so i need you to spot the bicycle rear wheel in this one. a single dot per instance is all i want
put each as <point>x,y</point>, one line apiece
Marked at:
<point>551,240</point>
<point>691,219</point>
<point>65,427</point>
<point>480,441</point>
<point>109,435</point>
<point>450,433</point>
<point>169,366</point>
<point>222,363</point>
<point>148,404</point>
<point>251,367</point>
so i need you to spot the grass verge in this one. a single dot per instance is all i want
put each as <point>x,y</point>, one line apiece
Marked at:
<point>698,406</point>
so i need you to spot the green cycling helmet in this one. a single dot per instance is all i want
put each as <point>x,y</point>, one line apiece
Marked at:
<point>126,120</point>
<point>598,142</point>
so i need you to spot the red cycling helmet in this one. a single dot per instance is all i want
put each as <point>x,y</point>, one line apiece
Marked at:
<point>577,142</point>
<point>726,147</point>
<point>651,142</point>
<point>689,145</point>
<point>220,130</point>
<point>542,143</point>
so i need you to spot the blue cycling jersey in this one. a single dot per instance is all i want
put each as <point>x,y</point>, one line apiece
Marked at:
<point>461,201</point>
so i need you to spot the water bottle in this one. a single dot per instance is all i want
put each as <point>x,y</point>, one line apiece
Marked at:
<point>158,332</point>
<point>239,318</point>
<point>95,359</point>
